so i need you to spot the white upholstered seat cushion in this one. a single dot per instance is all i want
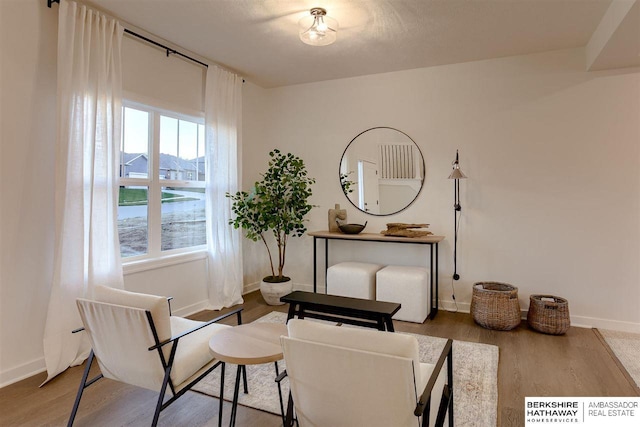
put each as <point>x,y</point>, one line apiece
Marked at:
<point>193,350</point>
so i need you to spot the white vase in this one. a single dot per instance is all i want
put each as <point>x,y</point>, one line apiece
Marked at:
<point>271,292</point>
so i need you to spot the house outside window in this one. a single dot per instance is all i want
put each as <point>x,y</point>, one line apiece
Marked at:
<point>161,208</point>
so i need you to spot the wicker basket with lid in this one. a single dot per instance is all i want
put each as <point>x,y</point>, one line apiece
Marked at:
<point>495,305</point>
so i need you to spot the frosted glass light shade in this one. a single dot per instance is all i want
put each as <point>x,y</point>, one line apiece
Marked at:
<point>318,29</point>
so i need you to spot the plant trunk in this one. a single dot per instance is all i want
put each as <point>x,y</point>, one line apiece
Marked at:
<point>283,254</point>
<point>281,249</point>
<point>280,242</point>
<point>273,273</point>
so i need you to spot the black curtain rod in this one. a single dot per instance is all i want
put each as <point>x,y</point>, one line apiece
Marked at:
<point>166,48</point>
<point>148,40</point>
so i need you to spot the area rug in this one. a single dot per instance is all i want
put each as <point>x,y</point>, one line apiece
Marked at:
<point>626,347</point>
<point>475,379</point>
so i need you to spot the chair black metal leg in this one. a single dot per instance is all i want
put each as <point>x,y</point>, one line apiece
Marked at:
<point>444,405</point>
<point>236,391</point>
<point>221,395</point>
<point>280,395</point>
<point>165,382</point>
<point>289,418</point>
<point>83,385</point>
<point>426,415</point>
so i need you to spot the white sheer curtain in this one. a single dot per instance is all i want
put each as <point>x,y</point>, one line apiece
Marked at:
<point>223,112</point>
<point>87,249</point>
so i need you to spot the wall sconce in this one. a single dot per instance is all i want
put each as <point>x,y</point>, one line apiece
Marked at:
<point>456,175</point>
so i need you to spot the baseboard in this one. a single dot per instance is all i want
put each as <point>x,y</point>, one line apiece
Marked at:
<point>250,288</point>
<point>463,307</point>
<point>614,325</point>
<point>22,372</point>
<point>576,321</point>
<point>191,309</point>
<point>593,322</point>
<point>305,287</point>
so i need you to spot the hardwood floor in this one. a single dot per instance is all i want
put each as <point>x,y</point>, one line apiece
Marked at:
<point>531,364</point>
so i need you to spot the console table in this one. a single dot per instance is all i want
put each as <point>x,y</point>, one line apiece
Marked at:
<point>430,240</point>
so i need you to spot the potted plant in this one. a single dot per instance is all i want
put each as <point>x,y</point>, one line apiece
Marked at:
<point>278,203</point>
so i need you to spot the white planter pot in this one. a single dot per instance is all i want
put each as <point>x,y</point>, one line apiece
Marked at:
<point>271,292</point>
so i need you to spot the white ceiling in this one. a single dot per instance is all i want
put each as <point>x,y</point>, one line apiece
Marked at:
<point>259,38</point>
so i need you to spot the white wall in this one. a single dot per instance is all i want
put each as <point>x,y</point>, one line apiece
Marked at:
<point>172,82</point>
<point>28,111</point>
<point>552,203</point>
<point>255,130</point>
<point>184,281</point>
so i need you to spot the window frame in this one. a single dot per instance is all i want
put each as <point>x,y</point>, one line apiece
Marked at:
<point>155,255</point>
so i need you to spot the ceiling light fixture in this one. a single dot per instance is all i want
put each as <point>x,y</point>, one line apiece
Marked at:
<point>318,29</point>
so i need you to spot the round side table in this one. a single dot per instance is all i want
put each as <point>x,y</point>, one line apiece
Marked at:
<point>250,344</point>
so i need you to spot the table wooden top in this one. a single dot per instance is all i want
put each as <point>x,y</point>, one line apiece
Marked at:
<point>250,344</point>
<point>376,237</point>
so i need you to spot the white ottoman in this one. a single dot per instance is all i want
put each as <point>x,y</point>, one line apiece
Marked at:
<point>353,279</point>
<point>408,286</point>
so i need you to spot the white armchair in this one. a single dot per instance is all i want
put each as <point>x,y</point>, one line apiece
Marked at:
<point>358,377</point>
<point>135,340</point>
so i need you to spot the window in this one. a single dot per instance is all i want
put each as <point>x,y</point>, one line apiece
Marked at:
<point>161,208</point>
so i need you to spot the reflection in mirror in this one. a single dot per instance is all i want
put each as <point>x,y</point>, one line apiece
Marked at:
<point>382,171</point>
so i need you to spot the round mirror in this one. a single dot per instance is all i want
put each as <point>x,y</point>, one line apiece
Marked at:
<point>382,171</point>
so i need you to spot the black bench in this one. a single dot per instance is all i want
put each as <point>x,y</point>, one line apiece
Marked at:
<point>354,311</point>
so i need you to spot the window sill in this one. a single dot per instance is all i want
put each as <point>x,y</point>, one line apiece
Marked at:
<point>137,266</point>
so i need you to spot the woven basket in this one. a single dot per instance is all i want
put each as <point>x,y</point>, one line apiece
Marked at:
<point>548,314</point>
<point>495,305</point>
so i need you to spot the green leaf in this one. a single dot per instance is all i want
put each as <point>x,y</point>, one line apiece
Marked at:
<point>278,203</point>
